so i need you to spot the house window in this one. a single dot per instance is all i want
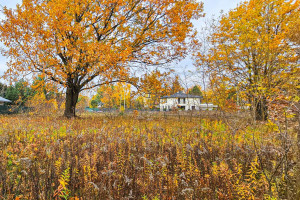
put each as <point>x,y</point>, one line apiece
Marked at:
<point>181,100</point>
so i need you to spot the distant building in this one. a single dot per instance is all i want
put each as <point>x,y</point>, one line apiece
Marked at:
<point>3,100</point>
<point>183,101</point>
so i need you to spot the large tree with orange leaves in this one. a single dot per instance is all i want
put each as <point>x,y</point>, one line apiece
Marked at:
<point>250,51</point>
<point>81,44</point>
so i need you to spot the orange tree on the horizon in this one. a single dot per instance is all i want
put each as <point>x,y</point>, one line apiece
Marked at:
<point>113,96</point>
<point>153,86</point>
<point>81,44</point>
<point>250,50</point>
<point>176,85</point>
<point>158,84</point>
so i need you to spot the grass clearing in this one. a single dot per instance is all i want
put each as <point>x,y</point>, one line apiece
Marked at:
<point>131,157</point>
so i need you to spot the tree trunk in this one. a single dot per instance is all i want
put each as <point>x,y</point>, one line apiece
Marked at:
<point>261,109</point>
<point>71,101</point>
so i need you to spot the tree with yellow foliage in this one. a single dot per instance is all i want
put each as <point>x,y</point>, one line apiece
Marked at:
<point>154,85</point>
<point>81,44</point>
<point>250,50</point>
<point>46,97</point>
<point>294,32</point>
<point>113,96</point>
<point>176,86</point>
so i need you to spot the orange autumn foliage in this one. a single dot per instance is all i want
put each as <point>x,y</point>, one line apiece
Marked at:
<point>81,44</point>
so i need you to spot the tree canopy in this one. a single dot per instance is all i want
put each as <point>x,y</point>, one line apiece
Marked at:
<point>81,44</point>
<point>250,50</point>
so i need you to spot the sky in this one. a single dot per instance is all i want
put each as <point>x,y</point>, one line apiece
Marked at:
<point>211,8</point>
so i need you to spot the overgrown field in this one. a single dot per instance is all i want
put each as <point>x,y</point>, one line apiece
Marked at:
<point>133,157</point>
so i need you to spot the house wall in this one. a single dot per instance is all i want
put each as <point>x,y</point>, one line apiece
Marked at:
<point>208,106</point>
<point>169,103</point>
<point>193,102</point>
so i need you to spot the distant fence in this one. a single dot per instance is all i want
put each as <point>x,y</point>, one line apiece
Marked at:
<point>7,109</point>
<point>117,109</point>
<point>4,109</point>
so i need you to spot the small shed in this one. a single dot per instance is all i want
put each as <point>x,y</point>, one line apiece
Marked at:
<point>3,100</point>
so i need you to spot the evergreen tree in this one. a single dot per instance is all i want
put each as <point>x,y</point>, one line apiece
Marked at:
<point>19,93</point>
<point>195,91</point>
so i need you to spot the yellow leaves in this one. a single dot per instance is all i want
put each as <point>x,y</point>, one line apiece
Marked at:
<point>253,170</point>
<point>88,39</point>
<point>249,49</point>
<point>75,198</point>
<point>62,190</point>
<point>114,96</point>
<point>58,164</point>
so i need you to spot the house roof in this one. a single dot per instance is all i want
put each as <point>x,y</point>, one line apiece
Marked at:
<point>181,95</point>
<point>4,100</point>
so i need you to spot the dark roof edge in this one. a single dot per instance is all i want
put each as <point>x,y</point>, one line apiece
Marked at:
<point>188,96</point>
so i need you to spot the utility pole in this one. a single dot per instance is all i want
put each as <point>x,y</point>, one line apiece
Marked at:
<point>124,98</point>
<point>120,102</point>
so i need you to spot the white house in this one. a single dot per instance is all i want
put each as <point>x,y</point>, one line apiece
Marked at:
<point>183,101</point>
<point>2,101</point>
<point>180,100</point>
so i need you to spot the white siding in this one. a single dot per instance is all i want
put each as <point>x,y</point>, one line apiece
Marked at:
<point>188,103</point>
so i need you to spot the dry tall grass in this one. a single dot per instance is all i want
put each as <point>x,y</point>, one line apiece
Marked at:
<point>132,157</point>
